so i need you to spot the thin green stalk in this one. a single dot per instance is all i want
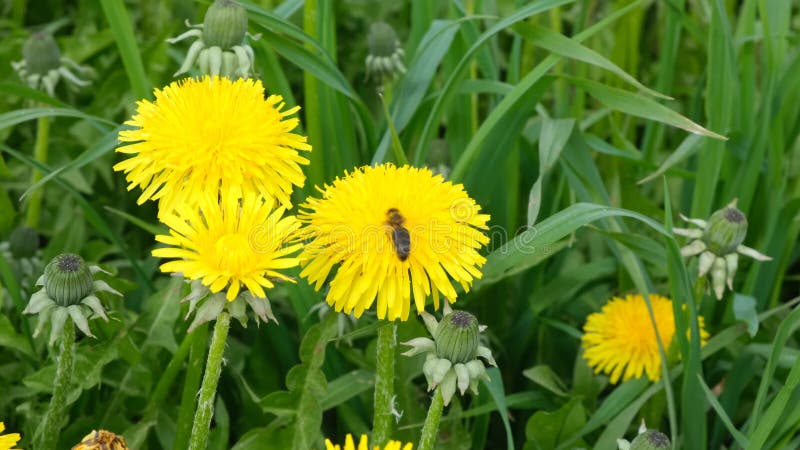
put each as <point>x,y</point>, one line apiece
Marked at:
<point>51,425</point>
<point>191,384</point>
<point>384,384</point>
<point>40,155</point>
<point>430,431</point>
<point>208,390</point>
<point>316,168</point>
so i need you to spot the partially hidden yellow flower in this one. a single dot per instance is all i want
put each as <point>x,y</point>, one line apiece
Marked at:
<point>101,440</point>
<point>209,136</point>
<point>393,232</point>
<point>363,444</point>
<point>8,441</point>
<point>230,243</point>
<point>620,340</point>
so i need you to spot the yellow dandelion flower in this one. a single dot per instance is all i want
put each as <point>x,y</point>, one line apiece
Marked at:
<point>620,341</point>
<point>394,232</point>
<point>230,243</point>
<point>7,441</point>
<point>363,444</point>
<point>212,135</point>
<point>101,440</point>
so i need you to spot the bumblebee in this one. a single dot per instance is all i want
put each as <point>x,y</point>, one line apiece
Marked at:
<point>400,236</point>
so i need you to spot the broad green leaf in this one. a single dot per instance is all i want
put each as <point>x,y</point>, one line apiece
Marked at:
<point>122,26</point>
<point>498,393</point>
<point>18,116</point>
<point>554,135</point>
<point>102,146</point>
<point>686,149</point>
<point>457,73</point>
<point>744,310</point>
<point>712,400</point>
<point>544,376</point>
<point>10,339</point>
<point>640,106</point>
<point>561,45</point>
<point>546,430</point>
<point>527,248</point>
<point>346,387</point>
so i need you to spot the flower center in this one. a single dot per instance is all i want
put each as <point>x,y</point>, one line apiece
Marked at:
<point>233,251</point>
<point>69,263</point>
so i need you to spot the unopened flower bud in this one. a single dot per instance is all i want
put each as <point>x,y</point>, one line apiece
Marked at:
<point>457,337</point>
<point>725,230</point>
<point>651,440</point>
<point>385,58</point>
<point>68,279</point>
<point>41,54</point>
<point>23,242</point>
<point>381,40</point>
<point>225,24</point>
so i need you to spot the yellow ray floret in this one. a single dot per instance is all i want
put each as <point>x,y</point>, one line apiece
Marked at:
<point>230,243</point>
<point>7,441</point>
<point>620,341</point>
<point>392,233</point>
<point>363,444</point>
<point>212,135</point>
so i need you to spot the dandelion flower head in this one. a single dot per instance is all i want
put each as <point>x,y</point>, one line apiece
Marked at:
<point>211,135</point>
<point>230,243</point>
<point>363,444</point>
<point>620,341</point>
<point>393,233</point>
<point>8,441</point>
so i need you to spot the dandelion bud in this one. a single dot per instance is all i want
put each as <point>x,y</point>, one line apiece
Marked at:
<point>225,24</point>
<point>725,230</point>
<point>385,58</point>
<point>651,440</point>
<point>457,337</point>
<point>40,53</point>
<point>23,242</point>
<point>68,279</point>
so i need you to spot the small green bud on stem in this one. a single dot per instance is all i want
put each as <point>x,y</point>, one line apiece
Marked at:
<point>457,337</point>
<point>725,230</point>
<point>68,279</point>
<point>225,24</point>
<point>41,53</point>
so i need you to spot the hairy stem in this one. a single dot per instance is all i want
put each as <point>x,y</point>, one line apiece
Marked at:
<point>51,425</point>
<point>430,431</point>
<point>208,390</point>
<point>384,385</point>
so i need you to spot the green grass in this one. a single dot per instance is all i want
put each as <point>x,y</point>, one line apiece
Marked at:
<point>583,127</point>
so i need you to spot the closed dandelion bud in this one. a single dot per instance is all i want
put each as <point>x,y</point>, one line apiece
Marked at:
<point>225,24</point>
<point>40,53</point>
<point>385,58</point>
<point>68,279</point>
<point>725,230</point>
<point>23,242</point>
<point>457,337</point>
<point>651,440</point>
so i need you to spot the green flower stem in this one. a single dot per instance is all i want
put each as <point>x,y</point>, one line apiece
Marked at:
<point>208,390</point>
<point>430,431</point>
<point>51,425</point>
<point>384,385</point>
<point>40,155</point>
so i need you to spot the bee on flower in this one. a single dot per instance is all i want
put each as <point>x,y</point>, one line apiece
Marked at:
<point>391,234</point>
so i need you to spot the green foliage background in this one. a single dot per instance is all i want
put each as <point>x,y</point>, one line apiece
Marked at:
<point>536,108</point>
